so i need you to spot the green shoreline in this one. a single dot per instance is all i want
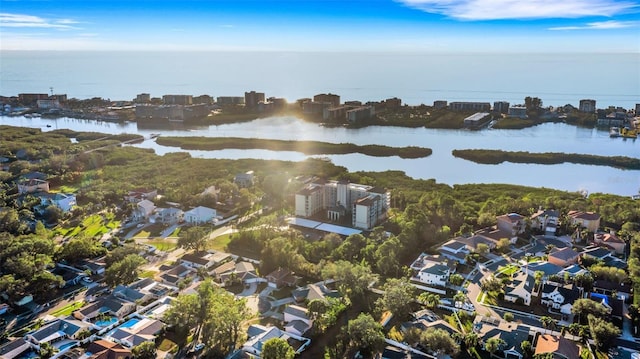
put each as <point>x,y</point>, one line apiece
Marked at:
<point>495,157</point>
<point>306,147</point>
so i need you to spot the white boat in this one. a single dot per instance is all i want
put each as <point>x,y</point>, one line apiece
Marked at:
<point>614,132</point>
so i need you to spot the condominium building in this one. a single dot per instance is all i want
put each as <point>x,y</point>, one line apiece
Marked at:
<point>367,205</point>
<point>470,106</point>
<point>587,105</point>
<point>177,99</point>
<point>252,99</point>
<point>333,99</point>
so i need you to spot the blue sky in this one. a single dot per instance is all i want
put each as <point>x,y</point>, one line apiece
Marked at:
<point>323,25</point>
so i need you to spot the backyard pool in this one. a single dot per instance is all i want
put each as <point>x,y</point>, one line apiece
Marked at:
<point>129,323</point>
<point>106,322</point>
<point>67,346</point>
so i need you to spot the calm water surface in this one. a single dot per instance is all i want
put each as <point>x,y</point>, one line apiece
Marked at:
<point>441,165</point>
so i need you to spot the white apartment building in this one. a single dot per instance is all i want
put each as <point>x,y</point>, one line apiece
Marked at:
<point>367,205</point>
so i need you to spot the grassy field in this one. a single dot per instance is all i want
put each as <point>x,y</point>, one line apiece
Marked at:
<point>92,226</point>
<point>220,243</point>
<point>148,274</point>
<point>162,245</point>
<point>68,309</point>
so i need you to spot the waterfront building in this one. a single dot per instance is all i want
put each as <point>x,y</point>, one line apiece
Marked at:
<point>638,109</point>
<point>315,108</point>
<point>143,98</point>
<point>477,120</point>
<point>439,104</point>
<point>470,106</point>
<point>360,114</point>
<point>203,100</point>
<point>177,100</point>
<point>230,100</point>
<point>501,106</point>
<point>517,112</point>
<point>31,98</point>
<point>252,99</point>
<point>393,103</point>
<point>367,205</point>
<point>48,104</point>
<point>333,99</point>
<point>587,105</point>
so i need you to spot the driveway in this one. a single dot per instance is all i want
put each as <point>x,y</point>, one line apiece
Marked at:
<point>249,291</point>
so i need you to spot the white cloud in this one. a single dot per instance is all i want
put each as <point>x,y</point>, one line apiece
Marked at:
<point>520,9</point>
<point>603,25</point>
<point>30,21</point>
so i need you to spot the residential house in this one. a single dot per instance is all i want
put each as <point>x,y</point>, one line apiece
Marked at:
<point>317,291</point>
<point>111,305</point>
<point>588,220</point>
<point>560,298</point>
<point>133,294</point>
<point>559,346</point>
<point>542,266</point>
<point>64,201</point>
<point>563,257</point>
<point>223,271</point>
<point>510,333</point>
<point>200,215</point>
<point>297,319</point>
<point>104,349</point>
<point>33,185</point>
<point>70,275</point>
<point>598,253</point>
<point>434,274</point>
<point>169,215</point>
<point>140,194</point>
<point>259,334</point>
<point>137,332</point>
<point>281,277</point>
<point>244,272</point>
<point>56,331</point>
<point>573,270</point>
<point>204,260</point>
<point>424,259</point>
<point>545,220</point>
<point>610,240</point>
<point>512,223</point>
<point>14,348</point>
<point>455,250</point>
<point>174,274</point>
<point>143,210</point>
<point>244,180</point>
<point>95,266</point>
<point>477,238</point>
<point>520,288</point>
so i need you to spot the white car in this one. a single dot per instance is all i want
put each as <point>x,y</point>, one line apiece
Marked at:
<point>198,347</point>
<point>140,225</point>
<point>87,279</point>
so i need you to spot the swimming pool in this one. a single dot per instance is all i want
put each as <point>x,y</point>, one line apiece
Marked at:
<point>129,323</point>
<point>107,322</point>
<point>67,346</point>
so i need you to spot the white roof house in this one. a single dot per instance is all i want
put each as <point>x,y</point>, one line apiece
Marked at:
<point>200,215</point>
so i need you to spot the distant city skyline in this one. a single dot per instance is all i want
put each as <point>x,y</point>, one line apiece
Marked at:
<point>510,26</point>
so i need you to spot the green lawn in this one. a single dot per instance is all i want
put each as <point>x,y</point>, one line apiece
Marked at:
<point>508,270</point>
<point>143,234</point>
<point>162,245</point>
<point>148,274</point>
<point>68,309</point>
<point>92,226</point>
<point>220,243</point>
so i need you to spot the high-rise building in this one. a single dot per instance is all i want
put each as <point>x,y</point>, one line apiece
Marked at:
<point>251,99</point>
<point>333,99</point>
<point>177,100</point>
<point>587,105</point>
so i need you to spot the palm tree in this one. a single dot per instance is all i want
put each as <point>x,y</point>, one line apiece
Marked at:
<point>47,351</point>
<point>548,322</point>
<point>492,345</point>
<point>431,300</point>
<point>471,340</point>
